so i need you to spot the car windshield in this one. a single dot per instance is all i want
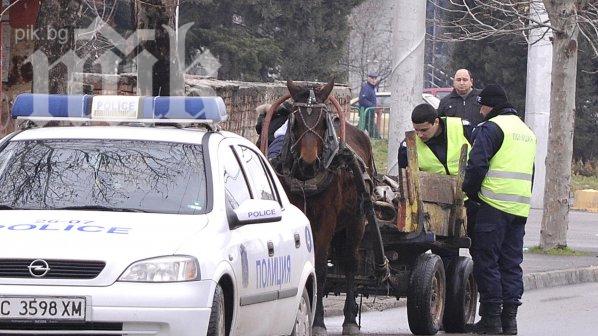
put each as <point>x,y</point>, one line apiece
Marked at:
<point>103,175</point>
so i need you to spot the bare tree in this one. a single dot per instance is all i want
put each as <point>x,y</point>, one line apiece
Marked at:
<point>568,19</point>
<point>56,19</point>
<point>368,48</point>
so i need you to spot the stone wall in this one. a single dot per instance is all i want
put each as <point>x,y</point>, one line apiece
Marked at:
<point>241,98</point>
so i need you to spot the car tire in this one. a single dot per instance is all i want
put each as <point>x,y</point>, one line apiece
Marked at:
<point>303,319</point>
<point>217,324</point>
<point>461,296</point>
<point>426,294</point>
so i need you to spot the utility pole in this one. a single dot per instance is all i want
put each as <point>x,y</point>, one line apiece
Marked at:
<point>407,75</point>
<point>537,107</point>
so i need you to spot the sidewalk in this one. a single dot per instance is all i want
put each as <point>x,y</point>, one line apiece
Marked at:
<point>539,271</point>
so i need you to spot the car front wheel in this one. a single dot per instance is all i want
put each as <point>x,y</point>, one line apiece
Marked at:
<point>217,325</point>
<point>303,320</point>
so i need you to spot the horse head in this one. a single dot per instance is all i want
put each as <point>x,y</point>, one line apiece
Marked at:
<point>310,121</point>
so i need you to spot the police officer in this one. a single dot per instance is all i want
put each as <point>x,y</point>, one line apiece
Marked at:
<point>499,176</point>
<point>438,142</point>
<point>438,145</point>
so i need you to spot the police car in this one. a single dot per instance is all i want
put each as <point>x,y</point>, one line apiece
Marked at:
<point>138,216</point>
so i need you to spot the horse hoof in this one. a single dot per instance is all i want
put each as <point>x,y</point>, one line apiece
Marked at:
<point>319,331</point>
<point>351,329</point>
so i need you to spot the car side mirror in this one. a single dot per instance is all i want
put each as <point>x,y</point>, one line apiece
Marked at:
<point>254,211</point>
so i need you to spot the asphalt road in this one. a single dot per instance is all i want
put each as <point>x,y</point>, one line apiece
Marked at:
<point>569,310</point>
<point>582,234</point>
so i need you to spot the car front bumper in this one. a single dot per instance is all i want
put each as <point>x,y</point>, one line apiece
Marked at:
<point>124,308</point>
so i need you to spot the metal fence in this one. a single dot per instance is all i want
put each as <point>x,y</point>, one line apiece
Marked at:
<point>357,118</point>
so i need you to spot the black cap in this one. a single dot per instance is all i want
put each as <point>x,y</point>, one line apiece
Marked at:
<point>493,95</point>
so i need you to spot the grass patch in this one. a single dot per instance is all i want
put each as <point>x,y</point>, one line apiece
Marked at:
<point>556,251</point>
<point>380,148</point>
<point>580,182</point>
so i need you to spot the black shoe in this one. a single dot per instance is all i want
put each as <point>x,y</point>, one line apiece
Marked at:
<point>509,319</point>
<point>490,324</point>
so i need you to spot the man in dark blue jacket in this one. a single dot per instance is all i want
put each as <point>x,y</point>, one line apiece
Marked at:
<point>499,176</point>
<point>367,102</point>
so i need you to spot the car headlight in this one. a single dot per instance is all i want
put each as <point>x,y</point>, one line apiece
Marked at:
<point>163,269</point>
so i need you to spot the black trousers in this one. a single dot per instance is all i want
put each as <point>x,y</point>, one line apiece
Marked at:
<point>497,252</point>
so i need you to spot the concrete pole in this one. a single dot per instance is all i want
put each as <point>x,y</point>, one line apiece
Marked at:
<point>537,102</point>
<point>407,77</point>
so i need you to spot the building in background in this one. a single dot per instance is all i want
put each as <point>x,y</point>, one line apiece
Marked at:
<point>17,43</point>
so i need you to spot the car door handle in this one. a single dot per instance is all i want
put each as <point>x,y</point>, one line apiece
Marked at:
<point>297,240</point>
<point>270,249</point>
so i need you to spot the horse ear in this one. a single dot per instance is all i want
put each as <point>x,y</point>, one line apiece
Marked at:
<point>325,91</point>
<point>294,89</point>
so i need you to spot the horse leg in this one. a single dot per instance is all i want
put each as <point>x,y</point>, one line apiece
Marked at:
<point>350,326</point>
<point>322,238</point>
<point>353,240</point>
<point>319,328</point>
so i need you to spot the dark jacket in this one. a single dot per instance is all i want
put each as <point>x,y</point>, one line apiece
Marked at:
<point>367,95</point>
<point>278,119</point>
<point>438,145</point>
<point>488,138</point>
<point>454,105</point>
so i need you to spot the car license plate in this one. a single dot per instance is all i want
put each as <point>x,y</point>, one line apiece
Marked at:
<point>42,308</point>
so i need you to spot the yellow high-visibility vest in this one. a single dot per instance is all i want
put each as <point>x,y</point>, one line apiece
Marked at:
<point>508,182</point>
<point>455,138</point>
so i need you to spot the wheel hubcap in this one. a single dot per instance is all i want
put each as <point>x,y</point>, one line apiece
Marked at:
<point>302,319</point>
<point>437,301</point>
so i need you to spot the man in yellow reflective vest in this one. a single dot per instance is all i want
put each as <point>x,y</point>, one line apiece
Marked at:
<point>499,176</point>
<point>438,144</point>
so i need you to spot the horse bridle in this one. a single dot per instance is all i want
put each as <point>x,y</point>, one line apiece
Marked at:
<point>309,106</point>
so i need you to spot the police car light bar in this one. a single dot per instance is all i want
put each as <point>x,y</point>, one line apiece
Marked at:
<point>44,105</point>
<point>120,108</point>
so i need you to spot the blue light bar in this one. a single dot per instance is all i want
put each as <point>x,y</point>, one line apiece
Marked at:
<point>200,108</point>
<point>51,105</point>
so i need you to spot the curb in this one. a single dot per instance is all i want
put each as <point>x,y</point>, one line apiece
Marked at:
<point>560,278</point>
<point>333,305</point>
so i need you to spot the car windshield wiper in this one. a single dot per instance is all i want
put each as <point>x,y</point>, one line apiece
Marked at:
<point>99,208</point>
<point>6,207</point>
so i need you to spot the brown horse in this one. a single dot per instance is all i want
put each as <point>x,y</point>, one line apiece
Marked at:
<point>324,187</point>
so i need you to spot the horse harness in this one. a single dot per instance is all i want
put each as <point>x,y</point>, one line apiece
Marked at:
<point>336,156</point>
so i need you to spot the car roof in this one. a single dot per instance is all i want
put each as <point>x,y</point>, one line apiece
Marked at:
<point>166,134</point>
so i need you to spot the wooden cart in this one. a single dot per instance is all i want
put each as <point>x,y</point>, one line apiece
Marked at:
<point>420,216</point>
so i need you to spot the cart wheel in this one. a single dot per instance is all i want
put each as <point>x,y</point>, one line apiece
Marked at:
<point>461,295</point>
<point>425,299</point>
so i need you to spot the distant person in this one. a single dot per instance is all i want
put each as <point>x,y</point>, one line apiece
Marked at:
<point>462,102</point>
<point>368,103</point>
<point>499,176</point>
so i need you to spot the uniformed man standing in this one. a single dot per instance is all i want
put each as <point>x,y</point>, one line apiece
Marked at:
<point>499,176</point>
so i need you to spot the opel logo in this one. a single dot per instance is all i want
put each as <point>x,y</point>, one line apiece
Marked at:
<point>39,268</point>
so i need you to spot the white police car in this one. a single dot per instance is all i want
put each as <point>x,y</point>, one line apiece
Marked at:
<point>145,228</point>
